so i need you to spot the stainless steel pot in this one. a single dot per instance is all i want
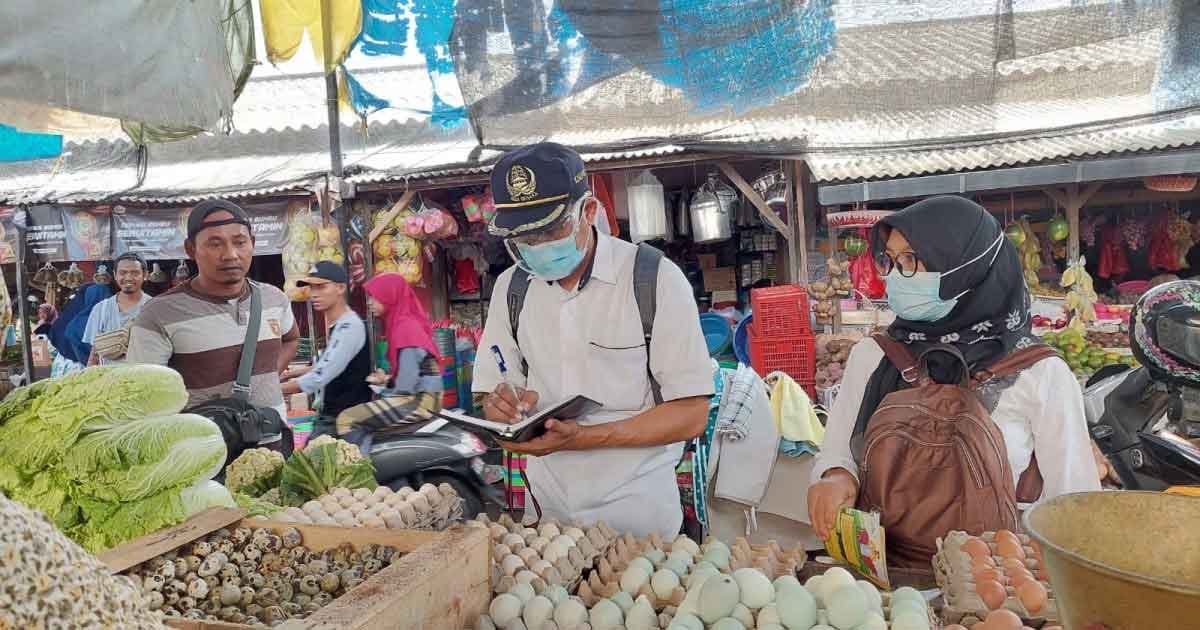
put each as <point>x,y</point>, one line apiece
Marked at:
<point>712,211</point>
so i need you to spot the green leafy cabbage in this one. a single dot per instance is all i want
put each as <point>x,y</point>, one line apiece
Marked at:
<point>203,495</point>
<point>137,459</point>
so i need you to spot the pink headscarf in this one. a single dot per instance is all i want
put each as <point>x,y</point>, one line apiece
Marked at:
<point>405,323</point>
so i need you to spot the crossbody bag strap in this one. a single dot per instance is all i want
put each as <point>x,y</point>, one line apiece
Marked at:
<point>241,387</point>
<point>518,287</point>
<point>645,292</point>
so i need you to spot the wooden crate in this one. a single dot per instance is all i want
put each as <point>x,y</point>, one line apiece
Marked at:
<point>440,583</point>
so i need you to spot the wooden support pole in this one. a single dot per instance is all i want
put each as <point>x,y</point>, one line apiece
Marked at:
<point>798,217</point>
<point>754,198</point>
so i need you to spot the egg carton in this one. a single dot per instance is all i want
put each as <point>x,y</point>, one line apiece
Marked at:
<point>953,570</point>
<point>553,554</point>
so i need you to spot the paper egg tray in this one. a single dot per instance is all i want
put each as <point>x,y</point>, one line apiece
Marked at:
<point>952,570</point>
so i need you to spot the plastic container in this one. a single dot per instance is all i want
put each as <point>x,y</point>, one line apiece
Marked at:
<point>781,311</point>
<point>717,333</point>
<point>741,339</point>
<point>1121,560</point>
<point>794,355</point>
<point>647,208</point>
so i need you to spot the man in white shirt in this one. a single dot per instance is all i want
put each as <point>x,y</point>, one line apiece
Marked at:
<point>580,333</point>
<point>121,309</point>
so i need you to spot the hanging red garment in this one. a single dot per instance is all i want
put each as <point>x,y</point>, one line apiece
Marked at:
<point>1163,256</point>
<point>602,189</point>
<point>1113,261</point>
<point>466,278</point>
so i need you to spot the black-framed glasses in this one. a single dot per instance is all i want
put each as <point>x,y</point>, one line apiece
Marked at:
<point>906,262</point>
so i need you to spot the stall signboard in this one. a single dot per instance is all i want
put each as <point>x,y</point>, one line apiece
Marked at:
<point>159,233</point>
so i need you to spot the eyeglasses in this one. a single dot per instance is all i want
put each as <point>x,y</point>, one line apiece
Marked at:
<point>906,262</point>
<point>565,225</point>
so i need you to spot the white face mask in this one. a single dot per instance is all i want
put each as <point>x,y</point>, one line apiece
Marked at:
<point>918,298</point>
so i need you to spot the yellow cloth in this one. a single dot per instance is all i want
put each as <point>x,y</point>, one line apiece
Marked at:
<point>286,21</point>
<point>794,414</point>
<point>1187,491</point>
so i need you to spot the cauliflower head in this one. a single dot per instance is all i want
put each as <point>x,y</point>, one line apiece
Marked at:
<point>347,453</point>
<point>254,472</point>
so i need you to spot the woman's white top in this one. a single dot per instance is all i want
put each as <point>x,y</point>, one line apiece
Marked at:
<point>1042,412</point>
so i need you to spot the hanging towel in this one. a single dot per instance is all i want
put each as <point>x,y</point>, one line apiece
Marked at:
<point>744,465</point>
<point>733,418</point>
<point>795,416</point>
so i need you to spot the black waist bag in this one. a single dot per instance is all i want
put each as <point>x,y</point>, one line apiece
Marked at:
<point>242,424</point>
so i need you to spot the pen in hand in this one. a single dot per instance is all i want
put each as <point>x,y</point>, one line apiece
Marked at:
<point>499,356</point>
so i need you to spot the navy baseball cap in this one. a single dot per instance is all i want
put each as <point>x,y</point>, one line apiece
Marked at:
<point>198,219</point>
<point>534,186</point>
<point>324,272</point>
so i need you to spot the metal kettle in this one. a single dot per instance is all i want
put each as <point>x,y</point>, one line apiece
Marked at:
<point>712,211</point>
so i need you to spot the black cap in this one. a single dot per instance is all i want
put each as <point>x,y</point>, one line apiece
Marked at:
<point>324,272</point>
<point>533,186</point>
<point>196,220</point>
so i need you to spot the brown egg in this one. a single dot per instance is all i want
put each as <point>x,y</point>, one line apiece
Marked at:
<point>976,548</point>
<point>1012,564</point>
<point>989,574</point>
<point>1009,549</point>
<point>954,626</point>
<point>1003,620</point>
<point>985,562</point>
<point>992,593</point>
<point>1004,534</point>
<point>1017,578</point>
<point>1032,595</point>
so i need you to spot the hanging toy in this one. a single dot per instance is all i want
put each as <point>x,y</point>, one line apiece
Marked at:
<point>102,276</point>
<point>181,274</point>
<point>157,275</point>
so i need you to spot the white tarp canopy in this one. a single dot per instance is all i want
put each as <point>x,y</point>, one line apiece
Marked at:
<point>160,63</point>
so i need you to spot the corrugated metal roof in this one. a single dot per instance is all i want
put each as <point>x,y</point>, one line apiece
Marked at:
<point>867,165</point>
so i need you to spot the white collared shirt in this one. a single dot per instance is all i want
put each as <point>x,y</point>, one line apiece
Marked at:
<point>589,341</point>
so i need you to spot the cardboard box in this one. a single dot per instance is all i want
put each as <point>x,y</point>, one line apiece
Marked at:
<point>442,580</point>
<point>720,279</point>
<point>707,261</point>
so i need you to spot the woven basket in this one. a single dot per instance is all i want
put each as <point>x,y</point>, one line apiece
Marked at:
<point>1170,183</point>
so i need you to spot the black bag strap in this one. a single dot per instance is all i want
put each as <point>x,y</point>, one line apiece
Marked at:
<point>645,292</point>
<point>241,387</point>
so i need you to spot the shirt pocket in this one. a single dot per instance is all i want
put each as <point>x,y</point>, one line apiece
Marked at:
<point>617,375</point>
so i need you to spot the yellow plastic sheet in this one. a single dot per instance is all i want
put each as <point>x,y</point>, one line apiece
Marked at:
<point>286,21</point>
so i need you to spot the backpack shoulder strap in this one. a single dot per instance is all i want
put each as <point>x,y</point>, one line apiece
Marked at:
<point>518,286</point>
<point>899,355</point>
<point>645,293</point>
<point>1015,362</point>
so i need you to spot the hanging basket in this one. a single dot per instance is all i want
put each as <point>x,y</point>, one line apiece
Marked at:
<point>855,218</point>
<point>1170,183</point>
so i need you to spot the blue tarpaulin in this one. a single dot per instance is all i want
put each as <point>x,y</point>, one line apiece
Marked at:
<point>16,146</point>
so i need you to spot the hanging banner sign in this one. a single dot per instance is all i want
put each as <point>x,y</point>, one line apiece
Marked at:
<point>46,236</point>
<point>88,233</point>
<point>159,233</point>
<point>270,221</point>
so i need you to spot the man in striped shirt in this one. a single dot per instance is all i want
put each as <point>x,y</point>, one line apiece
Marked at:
<point>198,327</point>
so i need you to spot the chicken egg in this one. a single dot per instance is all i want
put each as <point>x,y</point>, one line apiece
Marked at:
<point>992,593</point>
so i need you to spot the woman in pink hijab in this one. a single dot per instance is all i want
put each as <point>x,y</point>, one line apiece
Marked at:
<point>411,353</point>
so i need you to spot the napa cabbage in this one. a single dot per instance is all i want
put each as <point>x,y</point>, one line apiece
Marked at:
<point>137,459</point>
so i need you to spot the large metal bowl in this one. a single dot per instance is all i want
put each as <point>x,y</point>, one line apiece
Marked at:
<point>1127,560</point>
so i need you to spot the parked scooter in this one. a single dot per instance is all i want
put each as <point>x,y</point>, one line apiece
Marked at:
<point>1132,421</point>
<point>409,446</point>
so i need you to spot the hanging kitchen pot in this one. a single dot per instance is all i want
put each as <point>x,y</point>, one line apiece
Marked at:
<point>712,211</point>
<point>647,208</point>
<point>772,186</point>
<point>157,275</point>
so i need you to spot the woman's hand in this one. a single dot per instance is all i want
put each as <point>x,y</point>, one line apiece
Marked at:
<point>836,489</point>
<point>378,377</point>
<point>1105,468</point>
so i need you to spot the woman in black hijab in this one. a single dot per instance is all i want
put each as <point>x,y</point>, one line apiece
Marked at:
<point>954,279</point>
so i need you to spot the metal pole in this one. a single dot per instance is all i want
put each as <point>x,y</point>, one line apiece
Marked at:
<point>22,314</point>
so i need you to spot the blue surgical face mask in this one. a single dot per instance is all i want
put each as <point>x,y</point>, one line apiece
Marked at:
<point>918,298</point>
<point>553,260</point>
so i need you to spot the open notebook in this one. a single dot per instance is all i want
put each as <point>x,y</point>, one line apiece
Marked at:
<point>529,428</point>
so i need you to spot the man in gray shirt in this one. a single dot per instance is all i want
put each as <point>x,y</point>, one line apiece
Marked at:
<point>121,309</point>
<point>340,373</point>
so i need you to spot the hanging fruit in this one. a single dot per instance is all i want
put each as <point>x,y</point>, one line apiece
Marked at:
<point>1058,230</point>
<point>854,245</point>
<point>1015,234</point>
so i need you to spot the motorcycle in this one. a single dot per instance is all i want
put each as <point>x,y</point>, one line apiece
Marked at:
<point>434,452</point>
<point>1145,430</point>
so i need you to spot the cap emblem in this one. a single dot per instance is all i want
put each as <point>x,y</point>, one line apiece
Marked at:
<point>522,185</point>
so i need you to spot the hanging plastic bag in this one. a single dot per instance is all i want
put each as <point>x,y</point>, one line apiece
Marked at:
<point>466,279</point>
<point>866,278</point>
<point>647,208</point>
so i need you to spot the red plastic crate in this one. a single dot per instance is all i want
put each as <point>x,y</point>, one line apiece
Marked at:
<point>794,355</point>
<point>781,311</point>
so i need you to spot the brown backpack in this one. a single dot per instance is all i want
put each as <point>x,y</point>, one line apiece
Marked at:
<point>932,459</point>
